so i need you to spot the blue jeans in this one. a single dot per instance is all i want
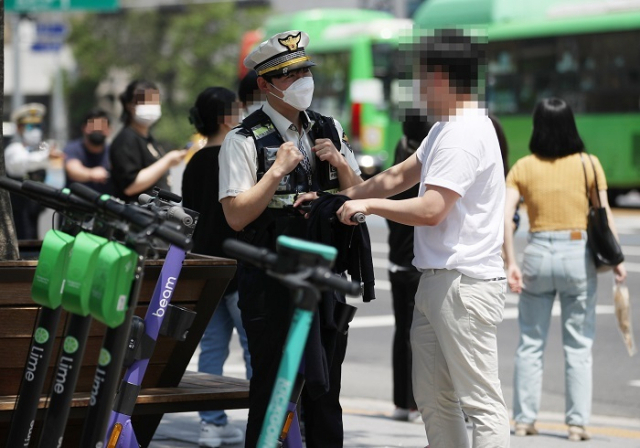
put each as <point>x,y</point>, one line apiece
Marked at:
<point>214,347</point>
<point>554,263</point>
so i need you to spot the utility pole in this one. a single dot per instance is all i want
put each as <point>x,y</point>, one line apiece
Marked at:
<point>17,99</point>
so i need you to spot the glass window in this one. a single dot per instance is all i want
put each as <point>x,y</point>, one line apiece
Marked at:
<point>594,73</point>
<point>331,82</point>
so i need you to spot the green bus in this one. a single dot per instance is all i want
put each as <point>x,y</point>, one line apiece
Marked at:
<point>356,78</point>
<point>586,52</point>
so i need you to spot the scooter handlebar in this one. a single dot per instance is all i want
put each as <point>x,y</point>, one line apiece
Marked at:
<point>172,236</point>
<point>259,256</point>
<point>327,278</point>
<point>71,201</point>
<point>265,259</point>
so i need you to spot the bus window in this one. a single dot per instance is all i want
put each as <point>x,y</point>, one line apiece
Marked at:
<point>331,80</point>
<point>594,73</point>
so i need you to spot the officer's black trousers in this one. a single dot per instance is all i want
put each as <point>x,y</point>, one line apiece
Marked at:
<point>266,313</point>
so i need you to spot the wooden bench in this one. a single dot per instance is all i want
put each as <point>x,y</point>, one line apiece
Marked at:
<point>166,387</point>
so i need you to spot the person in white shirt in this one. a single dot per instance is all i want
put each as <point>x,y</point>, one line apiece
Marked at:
<point>458,218</point>
<point>27,158</point>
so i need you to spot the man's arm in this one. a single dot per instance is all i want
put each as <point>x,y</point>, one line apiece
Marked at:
<point>245,208</point>
<point>77,172</point>
<point>390,182</point>
<point>428,210</point>
<point>514,275</point>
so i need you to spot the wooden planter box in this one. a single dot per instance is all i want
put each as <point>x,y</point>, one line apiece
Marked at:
<point>202,282</point>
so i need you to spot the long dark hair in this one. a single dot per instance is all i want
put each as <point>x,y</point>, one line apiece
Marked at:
<point>212,106</point>
<point>554,130</point>
<point>129,95</point>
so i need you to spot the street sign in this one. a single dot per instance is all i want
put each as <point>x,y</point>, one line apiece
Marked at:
<point>59,5</point>
<point>50,36</point>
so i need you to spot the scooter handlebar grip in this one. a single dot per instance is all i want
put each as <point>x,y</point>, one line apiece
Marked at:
<point>359,217</point>
<point>177,214</point>
<point>10,184</point>
<point>169,196</point>
<point>258,256</point>
<point>168,234</point>
<point>85,192</point>
<point>327,278</point>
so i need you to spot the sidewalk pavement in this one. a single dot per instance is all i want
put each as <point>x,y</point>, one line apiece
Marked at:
<point>367,424</point>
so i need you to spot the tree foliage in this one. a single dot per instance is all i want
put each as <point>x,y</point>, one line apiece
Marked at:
<point>184,50</point>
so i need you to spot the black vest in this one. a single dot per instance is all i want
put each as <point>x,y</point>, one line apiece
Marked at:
<point>267,140</point>
<point>274,222</point>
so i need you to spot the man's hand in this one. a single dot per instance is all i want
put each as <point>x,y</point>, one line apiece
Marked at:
<point>350,208</point>
<point>514,278</point>
<point>287,158</point>
<point>98,175</point>
<point>327,152</point>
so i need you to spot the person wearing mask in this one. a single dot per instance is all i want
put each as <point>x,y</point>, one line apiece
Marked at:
<point>27,158</point>
<point>458,220</point>
<point>87,158</point>
<point>276,154</point>
<point>556,261</point>
<point>214,114</point>
<point>138,163</point>
<point>251,98</point>
<point>404,277</point>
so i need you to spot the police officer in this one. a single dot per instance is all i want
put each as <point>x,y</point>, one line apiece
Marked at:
<point>27,157</point>
<point>278,152</point>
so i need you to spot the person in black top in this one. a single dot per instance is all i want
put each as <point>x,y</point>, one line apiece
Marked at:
<point>404,277</point>
<point>215,113</point>
<point>137,161</point>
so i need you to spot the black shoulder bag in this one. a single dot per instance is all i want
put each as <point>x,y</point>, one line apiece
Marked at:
<point>605,249</point>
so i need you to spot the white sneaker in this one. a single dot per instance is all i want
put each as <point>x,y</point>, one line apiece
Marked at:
<point>414,416</point>
<point>400,414</point>
<point>213,436</point>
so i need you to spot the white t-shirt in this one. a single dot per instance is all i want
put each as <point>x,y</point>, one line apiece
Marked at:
<point>463,155</point>
<point>239,158</point>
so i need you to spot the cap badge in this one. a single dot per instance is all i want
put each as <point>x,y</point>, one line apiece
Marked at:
<point>291,42</point>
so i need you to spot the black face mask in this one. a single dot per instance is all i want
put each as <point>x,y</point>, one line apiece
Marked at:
<point>96,138</point>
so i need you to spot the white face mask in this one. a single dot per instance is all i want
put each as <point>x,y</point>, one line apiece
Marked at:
<point>147,114</point>
<point>32,137</point>
<point>299,94</point>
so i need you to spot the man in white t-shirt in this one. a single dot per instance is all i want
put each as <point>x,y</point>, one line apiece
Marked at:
<point>458,218</point>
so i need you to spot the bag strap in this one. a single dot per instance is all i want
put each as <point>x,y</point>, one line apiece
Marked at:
<point>595,178</point>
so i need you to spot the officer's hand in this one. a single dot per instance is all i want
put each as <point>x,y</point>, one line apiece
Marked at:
<point>98,175</point>
<point>287,158</point>
<point>327,152</point>
<point>349,209</point>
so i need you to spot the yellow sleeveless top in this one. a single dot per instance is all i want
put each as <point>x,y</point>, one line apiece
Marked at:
<point>554,190</point>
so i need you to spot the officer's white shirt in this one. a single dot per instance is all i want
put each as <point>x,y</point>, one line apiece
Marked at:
<point>19,160</point>
<point>238,158</point>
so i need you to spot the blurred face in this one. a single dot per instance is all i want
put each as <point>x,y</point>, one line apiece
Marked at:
<point>96,131</point>
<point>145,108</point>
<point>233,116</point>
<point>436,92</point>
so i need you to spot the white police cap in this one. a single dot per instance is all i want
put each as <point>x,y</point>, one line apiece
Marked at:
<point>31,113</point>
<point>280,54</point>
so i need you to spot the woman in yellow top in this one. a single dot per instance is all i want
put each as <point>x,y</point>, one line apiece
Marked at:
<point>556,261</point>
